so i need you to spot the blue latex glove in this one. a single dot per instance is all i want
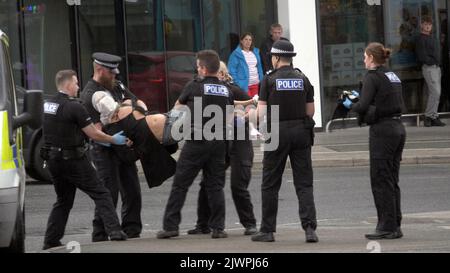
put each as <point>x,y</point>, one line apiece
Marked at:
<point>347,103</point>
<point>119,138</point>
<point>355,93</point>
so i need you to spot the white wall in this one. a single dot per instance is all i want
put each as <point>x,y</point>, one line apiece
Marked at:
<point>300,26</point>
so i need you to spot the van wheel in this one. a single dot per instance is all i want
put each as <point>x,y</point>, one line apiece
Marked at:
<point>40,172</point>
<point>18,240</point>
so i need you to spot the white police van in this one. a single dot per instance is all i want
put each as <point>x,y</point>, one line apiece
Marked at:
<point>12,167</point>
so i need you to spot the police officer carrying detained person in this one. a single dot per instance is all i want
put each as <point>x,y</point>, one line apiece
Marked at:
<point>116,174</point>
<point>201,151</point>
<point>290,91</point>
<point>380,106</point>
<point>66,125</point>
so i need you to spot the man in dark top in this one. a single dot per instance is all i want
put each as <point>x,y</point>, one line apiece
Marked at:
<point>113,172</point>
<point>66,125</point>
<point>428,55</point>
<point>276,33</point>
<point>201,151</point>
<point>289,90</point>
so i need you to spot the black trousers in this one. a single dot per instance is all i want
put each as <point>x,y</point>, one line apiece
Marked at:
<point>387,141</point>
<point>295,142</point>
<point>67,176</point>
<point>241,161</point>
<point>121,177</point>
<point>208,156</point>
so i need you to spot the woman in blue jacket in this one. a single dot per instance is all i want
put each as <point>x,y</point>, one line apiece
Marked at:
<point>245,65</point>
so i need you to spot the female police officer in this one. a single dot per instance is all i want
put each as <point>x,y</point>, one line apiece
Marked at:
<point>381,106</point>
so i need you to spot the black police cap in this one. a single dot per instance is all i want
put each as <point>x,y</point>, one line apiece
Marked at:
<point>283,48</point>
<point>107,60</point>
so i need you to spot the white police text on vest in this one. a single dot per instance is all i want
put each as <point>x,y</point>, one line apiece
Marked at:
<point>216,90</point>
<point>290,85</point>
<point>393,78</point>
<point>51,108</point>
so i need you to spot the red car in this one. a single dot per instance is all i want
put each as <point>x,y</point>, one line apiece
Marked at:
<point>158,78</point>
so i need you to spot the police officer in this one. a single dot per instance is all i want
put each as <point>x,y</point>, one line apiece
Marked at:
<point>66,125</point>
<point>380,106</point>
<point>291,90</point>
<point>240,157</point>
<point>202,152</point>
<point>114,173</point>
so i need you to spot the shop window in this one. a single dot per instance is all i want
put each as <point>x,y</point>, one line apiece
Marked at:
<point>47,42</point>
<point>346,27</point>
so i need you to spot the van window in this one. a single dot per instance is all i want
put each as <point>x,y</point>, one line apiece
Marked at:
<point>3,81</point>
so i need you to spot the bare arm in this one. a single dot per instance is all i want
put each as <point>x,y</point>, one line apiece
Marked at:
<point>310,110</point>
<point>92,132</point>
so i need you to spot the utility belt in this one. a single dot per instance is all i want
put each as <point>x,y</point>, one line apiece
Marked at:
<point>390,118</point>
<point>57,153</point>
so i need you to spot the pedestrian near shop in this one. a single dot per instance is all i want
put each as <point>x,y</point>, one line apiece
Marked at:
<point>201,152</point>
<point>427,51</point>
<point>380,106</point>
<point>275,34</point>
<point>116,174</point>
<point>289,90</point>
<point>66,127</point>
<point>245,65</point>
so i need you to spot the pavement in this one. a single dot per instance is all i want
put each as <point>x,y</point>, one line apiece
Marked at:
<point>349,147</point>
<point>426,232</point>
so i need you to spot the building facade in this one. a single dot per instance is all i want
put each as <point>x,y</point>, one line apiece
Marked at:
<point>158,40</point>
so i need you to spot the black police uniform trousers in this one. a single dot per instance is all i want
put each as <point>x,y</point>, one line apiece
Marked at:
<point>117,176</point>
<point>208,156</point>
<point>241,162</point>
<point>294,141</point>
<point>387,140</point>
<point>67,176</point>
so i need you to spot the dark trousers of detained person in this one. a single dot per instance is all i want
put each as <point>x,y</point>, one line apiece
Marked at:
<point>67,176</point>
<point>118,176</point>
<point>295,143</point>
<point>195,156</point>
<point>387,140</point>
<point>241,161</point>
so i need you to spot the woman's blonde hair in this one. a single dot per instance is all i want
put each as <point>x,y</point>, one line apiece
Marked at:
<point>223,69</point>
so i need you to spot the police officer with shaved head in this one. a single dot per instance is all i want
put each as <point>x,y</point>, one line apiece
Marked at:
<point>115,173</point>
<point>202,152</point>
<point>291,91</point>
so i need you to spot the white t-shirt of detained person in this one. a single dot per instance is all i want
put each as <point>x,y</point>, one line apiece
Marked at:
<point>104,103</point>
<point>252,63</point>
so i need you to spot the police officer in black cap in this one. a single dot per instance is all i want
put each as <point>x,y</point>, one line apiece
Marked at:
<point>289,90</point>
<point>380,106</point>
<point>202,152</point>
<point>66,125</point>
<point>113,172</point>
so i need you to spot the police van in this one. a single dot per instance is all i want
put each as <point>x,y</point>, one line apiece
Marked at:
<point>12,167</point>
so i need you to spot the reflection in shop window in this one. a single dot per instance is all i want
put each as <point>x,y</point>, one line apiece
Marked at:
<point>346,28</point>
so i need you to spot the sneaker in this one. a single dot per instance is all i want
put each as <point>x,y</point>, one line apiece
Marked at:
<point>164,234</point>
<point>427,122</point>
<point>98,239</point>
<point>250,231</point>
<point>219,234</point>
<point>263,237</point>
<point>118,235</point>
<point>311,236</point>
<point>437,123</point>
<point>199,231</point>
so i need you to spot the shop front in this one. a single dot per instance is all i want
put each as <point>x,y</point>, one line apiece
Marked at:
<point>346,27</point>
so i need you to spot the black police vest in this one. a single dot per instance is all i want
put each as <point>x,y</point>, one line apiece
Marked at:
<point>287,89</point>
<point>389,98</point>
<point>213,92</point>
<point>59,130</point>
